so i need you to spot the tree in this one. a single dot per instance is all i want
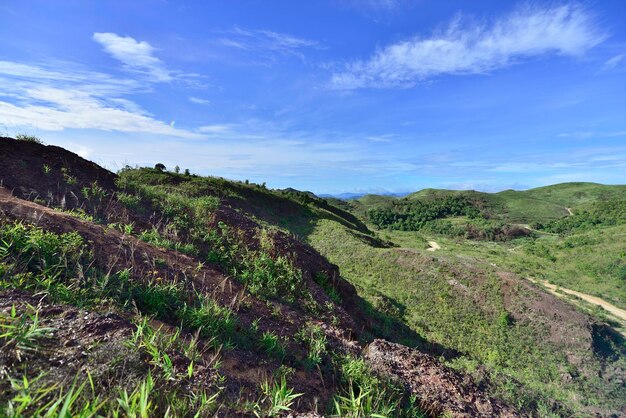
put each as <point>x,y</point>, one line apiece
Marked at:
<point>177,169</point>
<point>159,167</point>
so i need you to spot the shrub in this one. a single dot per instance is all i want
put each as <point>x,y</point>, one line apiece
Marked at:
<point>28,138</point>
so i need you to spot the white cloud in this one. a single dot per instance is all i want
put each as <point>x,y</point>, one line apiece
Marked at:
<point>614,62</point>
<point>267,43</point>
<point>376,5</point>
<point>78,99</point>
<point>135,55</point>
<point>214,129</point>
<point>198,100</point>
<point>381,138</point>
<point>591,134</point>
<point>465,47</point>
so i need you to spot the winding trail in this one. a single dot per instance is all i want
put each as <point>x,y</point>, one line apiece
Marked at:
<point>433,246</point>
<point>594,300</point>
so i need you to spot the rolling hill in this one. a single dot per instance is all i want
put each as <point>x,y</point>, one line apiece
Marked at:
<point>150,291</point>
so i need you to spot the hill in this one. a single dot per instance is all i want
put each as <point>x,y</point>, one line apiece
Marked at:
<point>149,291</point>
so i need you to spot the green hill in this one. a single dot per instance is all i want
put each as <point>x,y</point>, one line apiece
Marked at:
<point>201,295</point>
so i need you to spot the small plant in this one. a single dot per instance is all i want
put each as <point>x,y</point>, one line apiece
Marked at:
<point>138,403</point>
<point>147,339</point>
<point>364,403</point>
<point>278,397</point>
<point>324,282</point>
<point>80,214</point>
<point>69,179</point>
<point>130,201</point>
<point>94,192</point>
<point>22,332</point>
<point>27,394</point>
<point>46,169</point>
<point>212,320</point>
<point>313,336</point>
<point>68,405</point>
<point>270,343</point>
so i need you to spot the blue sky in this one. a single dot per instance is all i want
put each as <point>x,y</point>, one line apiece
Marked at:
<point>329,96</point>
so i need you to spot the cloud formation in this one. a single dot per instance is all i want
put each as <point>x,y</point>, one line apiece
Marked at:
<point>267,43</point>
<point>200,101</point>
<point>465,47</point>
<point>135,55</point>
<point>54,99</point>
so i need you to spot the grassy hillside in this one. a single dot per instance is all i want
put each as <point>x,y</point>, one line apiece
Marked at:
<point>157,294</point>
<point>577,194</point>
<point>489,324</point>
<point>200,295</point>
<point>460,305</point>
<point>541,205</point>
<point>485,330</point>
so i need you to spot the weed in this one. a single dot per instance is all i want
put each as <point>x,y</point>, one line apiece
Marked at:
<point>138,403</point>
<point>22,332</point>
<point>69,179</point>
<point>315,339</point>
<point>130,201</point>
<point>94,192</point>
<point>211,319</point>
<point>324,282</point>
<point>271,344</point>
<point>364,403</point>
<point>278,397</point>
<point>28,138</point>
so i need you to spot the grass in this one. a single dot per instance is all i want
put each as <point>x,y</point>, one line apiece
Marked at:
<point>36,260</point>
<point>423,292</point>
<point>450,297</point>
<point>272,345</point>
<point>187,227</point>
<point>591,261</point>
<point>21,331</point>
<point>362,393</point>
<point>315,340</point>
<point>28,138</point>
<point>278,397</point>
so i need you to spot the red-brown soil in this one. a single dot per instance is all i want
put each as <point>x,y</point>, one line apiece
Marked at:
<point>438,389</point>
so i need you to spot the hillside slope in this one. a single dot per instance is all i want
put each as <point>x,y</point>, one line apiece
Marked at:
<point>151,292</point>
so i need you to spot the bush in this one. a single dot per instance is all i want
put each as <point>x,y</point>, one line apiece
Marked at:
<point>28,138</point>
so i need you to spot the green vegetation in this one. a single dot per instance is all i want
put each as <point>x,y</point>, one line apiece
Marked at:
<point>526,369</point>
<point>186,328</point>
<point>412,215</point>
<point>278,397</point>
<point>21,332</point>
<point>594,215</point>
<point>366,395</point>
<point>315,340</point>
<point>28,138</point>
<point>189,226</point>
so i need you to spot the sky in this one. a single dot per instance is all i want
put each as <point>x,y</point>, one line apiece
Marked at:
<point>329,96</point>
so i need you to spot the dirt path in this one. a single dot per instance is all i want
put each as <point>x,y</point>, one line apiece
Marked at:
<point>594,300</point>
<point>433,246</point>
<point>569,210</point>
